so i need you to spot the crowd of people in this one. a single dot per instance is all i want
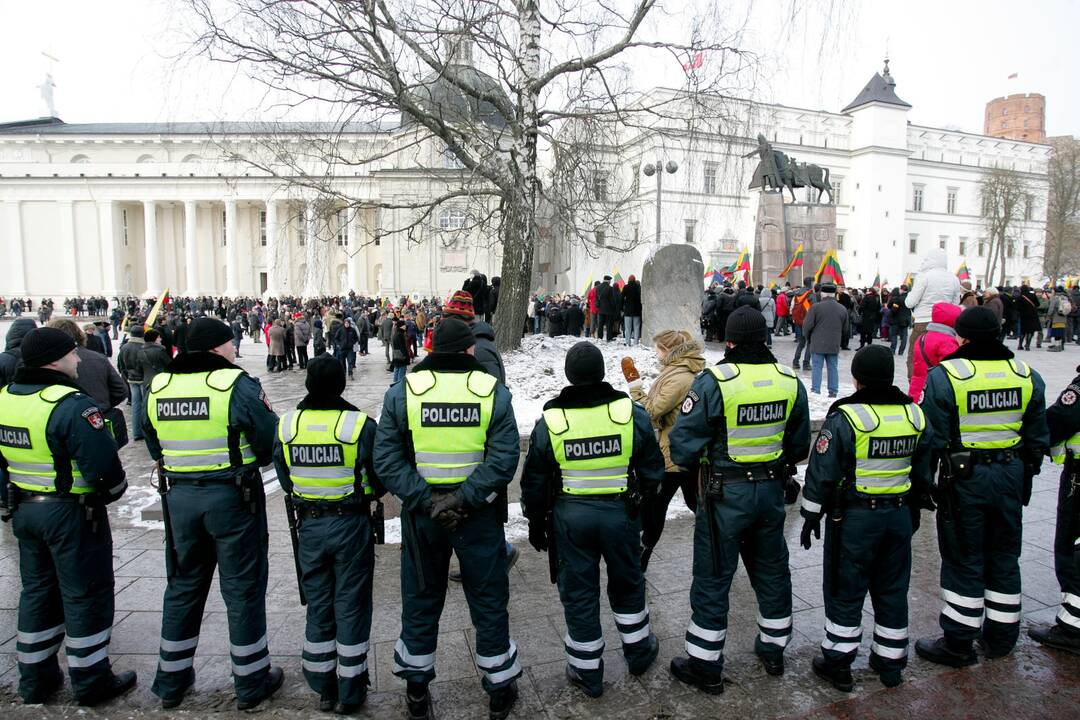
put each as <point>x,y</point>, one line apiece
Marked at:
<point>606,312</point>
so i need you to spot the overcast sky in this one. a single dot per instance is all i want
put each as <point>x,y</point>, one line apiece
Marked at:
<point>117,59</point>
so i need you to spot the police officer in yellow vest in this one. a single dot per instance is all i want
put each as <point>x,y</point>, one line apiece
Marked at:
<point>593,460</point>
<point>58,471</point>
<point>323,460</point>
<point>988,415</point>
<point>745,423</point>
<point>870,472</point>
<point>447,446</point>
<point>210,427</point>
<point>1063,418</point>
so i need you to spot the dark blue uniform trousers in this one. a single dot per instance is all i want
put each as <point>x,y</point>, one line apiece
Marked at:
<point>875,556</point>
<point>337,558</point>
<point>1065,547</point>
<point>750,521</point>
<point>480,545</point>
<point>586,530</point>
<point>67,587</point>
<point>985,577</point>
<point>213,527</point>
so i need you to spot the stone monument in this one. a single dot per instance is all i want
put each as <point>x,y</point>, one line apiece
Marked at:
<point>671,292</point>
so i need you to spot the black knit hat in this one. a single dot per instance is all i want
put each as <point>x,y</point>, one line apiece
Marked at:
<point>829,288</point>
<point>207,333</point>
<point>746,325</point>
<point>452,335</point>
<point>325,377</point>
<point>44,345</point>
<point>978,323</point>
<point>873,366</point>
<point>584,364</point>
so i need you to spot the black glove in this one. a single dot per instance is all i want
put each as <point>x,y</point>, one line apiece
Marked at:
<point>5,512</point>
<point>538,536</point>
<point>448,510</point>
<point>811,524</point>
<point>791,490</point>
<point>916,517</point>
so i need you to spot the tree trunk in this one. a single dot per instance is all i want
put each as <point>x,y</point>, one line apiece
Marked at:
<point>1003,251</point>
<point>519,239</point>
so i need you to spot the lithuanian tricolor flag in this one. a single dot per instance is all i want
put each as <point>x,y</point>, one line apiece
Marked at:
<point>877,282</point>
<point>741,265</point>
<point>908,280</point>
<point>796,261</point>
<point>963,273</point>
<point>830,268</point>
<point>155,310</point>
<point>588,286</point>
<point>616,280</point>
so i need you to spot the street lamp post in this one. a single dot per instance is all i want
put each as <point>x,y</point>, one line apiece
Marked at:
<point>658,169</point>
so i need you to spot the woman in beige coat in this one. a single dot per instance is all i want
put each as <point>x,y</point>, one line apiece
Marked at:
<point>681,360</point>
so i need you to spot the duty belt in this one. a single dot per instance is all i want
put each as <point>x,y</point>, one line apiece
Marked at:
<point>884,502</point>
<point>601,496</point>
<point>989,457</point>
<point>26,496</point>
<point>753,473</point>
<point>312,511</point>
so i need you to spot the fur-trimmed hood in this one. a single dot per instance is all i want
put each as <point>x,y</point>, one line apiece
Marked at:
<point>688,355</point>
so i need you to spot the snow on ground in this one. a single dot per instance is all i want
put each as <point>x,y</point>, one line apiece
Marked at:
<point>535,373</point>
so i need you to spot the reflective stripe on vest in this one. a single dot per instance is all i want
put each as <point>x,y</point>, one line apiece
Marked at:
<point>448,415</point>
<point>320,448</point>
<point>885,440</point>
<point>1059,453</point>
<point>757,402</point>
<point>24,422</point>
<point>190,413</point>
<point>991,397</point>
<point>593,446</point>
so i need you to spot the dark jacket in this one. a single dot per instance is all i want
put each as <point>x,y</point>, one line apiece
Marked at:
<point>393,449</point>
<point>574,319</point>
<point>646,462</point>
<point>127,359</point>
<point>486,352</point>
<point>631,299</point>
<point>152,360</point>
<point>825,325</point>
<point>606,304</point>
<point>12,355</point>
<point>100,380</point>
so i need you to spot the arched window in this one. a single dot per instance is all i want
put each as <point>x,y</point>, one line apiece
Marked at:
<point>81,159</point>
<point>145,159</point>
<point>343,278</point>
<point>191,159</point>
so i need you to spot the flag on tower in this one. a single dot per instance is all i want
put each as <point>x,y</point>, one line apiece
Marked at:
<point>963,273</point>
<point>830,267</point>
<point>796,261</point>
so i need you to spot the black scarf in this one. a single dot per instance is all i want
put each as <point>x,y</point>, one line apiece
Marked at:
<point>585,396</point>
<point>877,395</point>
<point>41,376</point>
<point>981,350</point>
<point>750,353</point>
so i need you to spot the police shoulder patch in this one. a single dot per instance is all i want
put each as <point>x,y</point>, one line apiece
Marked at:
<point>689,402</point>
<point>94,418</point>
<point>265,400</point>
<point>824,439</point>
<point>1068,397</point>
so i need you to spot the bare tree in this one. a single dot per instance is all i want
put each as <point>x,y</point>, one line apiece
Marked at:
<point>475,91</point>
<point>1003,195</point>
<point>1061,255</point>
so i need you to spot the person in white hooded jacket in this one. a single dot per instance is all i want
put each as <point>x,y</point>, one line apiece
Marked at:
<point>934,284</point>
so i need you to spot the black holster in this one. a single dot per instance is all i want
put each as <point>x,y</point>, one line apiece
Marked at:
<point>378,523</point>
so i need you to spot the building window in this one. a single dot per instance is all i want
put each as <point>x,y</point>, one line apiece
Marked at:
<point>982,247</point>
<point>224,227</point>
<point>1004,124</point>
<point>950,202</point>
<point>451,219</point>
<point>837,194</point>
<point>1025,250</point>
<point>839,241</point>
<point>301,229</point>
<point>689,227</point>
<point>124,226</point>
<point>1029,202</point>
<point>943,241</point>
<point>1010,248</point>
<point>1004,111</point>
<point>599,185</point>
<point>635,178</point>
<point>1025,123</point>
<point>450,160</point>
<point>913,244</point>
<point>963,246</point>
<point>917,197</point>
<point>601,237</point>
<point>343,228</point>
<point>709,179</point>
<point>636,233</point>
<point>262,228</point>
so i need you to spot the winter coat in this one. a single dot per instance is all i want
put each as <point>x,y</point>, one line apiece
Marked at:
<point>667,392</point>
<point>900,313</point>
<point>152,359</point>
<point>99,379</point>
<point>870,314</point>
<point>783,307</point>
<point>1028,308</point>
<point>631,299</point>
<point>386,329</point>
<point>825,325</point>
<point>302,333</point>
<point>606,303</point>
<point>127,360</point>
<point>277,340</point>
<point>934,284</point>
<point>574,319</point>
<point>486,353</point>
<point>768,307</point>
<point>13,348</point>
<point>591,299</point>
<point>1054,314</point>
<point>399,355</point>
<point>996,306</point>
<point>938,342</point>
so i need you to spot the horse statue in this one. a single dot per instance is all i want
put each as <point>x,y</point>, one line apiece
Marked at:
<point>776,171</point>
<point>800,175</point>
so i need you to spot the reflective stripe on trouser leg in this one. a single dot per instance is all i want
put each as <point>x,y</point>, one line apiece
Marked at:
<point>319,662</point>
<point>890,643</point>
<point>774,631</point>
<point>633,626</point>
<point>354,563</point>
<point>499,669</point>
<point>1069,614</point>
<point>87,651</point>
<point>707,630</point>
<point>249,659</point>
<point>409,662</point>
<point>584,656</point>
<point>961,612</point>
<point>841,641</point>
<point>704,644</point>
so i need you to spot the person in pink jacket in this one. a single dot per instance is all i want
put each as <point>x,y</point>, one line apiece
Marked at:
<point>938,342</point>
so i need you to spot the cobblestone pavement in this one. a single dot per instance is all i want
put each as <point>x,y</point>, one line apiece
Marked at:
<point>1032,682</point>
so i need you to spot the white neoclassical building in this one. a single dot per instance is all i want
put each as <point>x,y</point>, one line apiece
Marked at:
<point>137,208</point>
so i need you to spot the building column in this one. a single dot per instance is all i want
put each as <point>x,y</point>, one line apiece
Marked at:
<point>232,260</point>
<point>107,244</point>
<point>67,240</point>
<point>14,245</point>
<point>191,250</point>
<point>150,242</point>
<point>354,251</point>
<point>313,282</point>
<point>273,250</point>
